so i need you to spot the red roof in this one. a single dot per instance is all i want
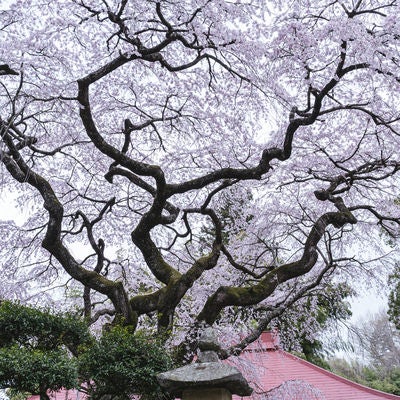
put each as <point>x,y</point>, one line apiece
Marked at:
<point>277,371</point>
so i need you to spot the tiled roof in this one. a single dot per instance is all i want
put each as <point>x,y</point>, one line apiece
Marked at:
<point>274,367</point>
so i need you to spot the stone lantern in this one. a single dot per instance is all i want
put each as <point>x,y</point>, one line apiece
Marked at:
<point>208,378</point>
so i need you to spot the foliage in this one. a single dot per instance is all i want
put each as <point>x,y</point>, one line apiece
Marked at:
<point>389,383</point>
<point>367,375</point>
<point>36,371</point>
<point>121,364</point>
<point>33,349</point>
<point>14,394</point>
<point>394,296</point>
<point>29,327</point>
<point>34,356</point>
<point>125,126</point>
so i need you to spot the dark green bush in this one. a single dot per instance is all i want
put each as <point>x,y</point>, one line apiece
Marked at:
<point>121,363</point>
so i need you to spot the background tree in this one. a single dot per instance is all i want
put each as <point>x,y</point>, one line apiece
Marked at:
<point>376,344</point>
<point>124,123</point>
<point>379,340</point>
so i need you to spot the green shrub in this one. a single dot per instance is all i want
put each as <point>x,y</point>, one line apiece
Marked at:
<point>121,363</point>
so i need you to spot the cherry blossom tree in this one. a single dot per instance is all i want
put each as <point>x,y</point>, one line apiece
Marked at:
<point>295,390</point>
<point>197,162</point>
